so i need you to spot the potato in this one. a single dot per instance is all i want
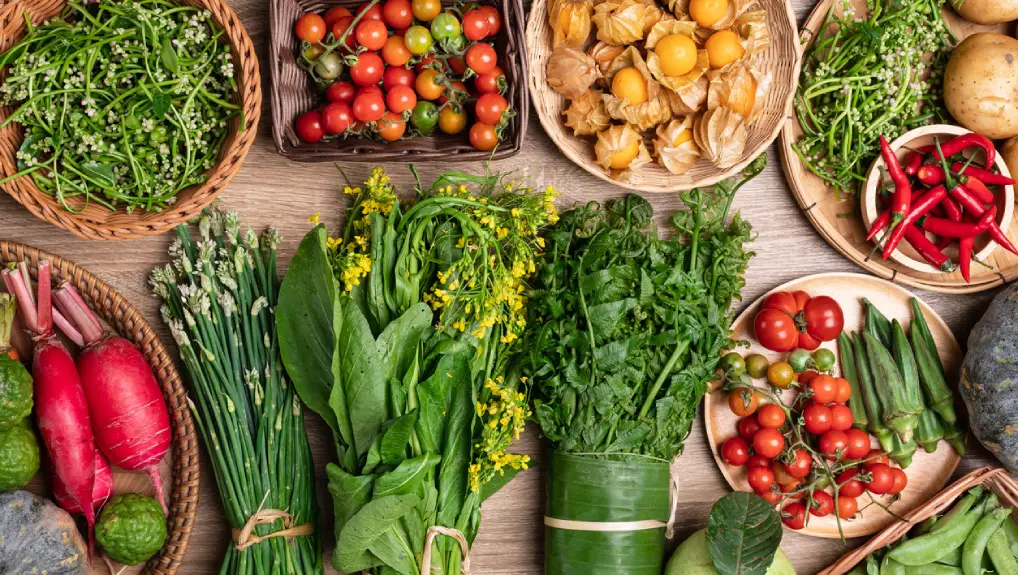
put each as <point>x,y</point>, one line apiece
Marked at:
<point>981,85</point>
<point>987,11</point>
<point>1009,153</point>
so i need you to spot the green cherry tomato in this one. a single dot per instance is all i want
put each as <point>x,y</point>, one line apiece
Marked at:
<point>757,365</point>
<point>418,40</point>
<point>799,360</point>
<point>824,359</point>
<point>733,364</point>
<point>445,26</point>
<point>424,117</point>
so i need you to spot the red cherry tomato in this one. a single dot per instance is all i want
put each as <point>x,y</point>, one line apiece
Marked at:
<point>493,17</point>
<point>813,326</point>
<point>881,480</point>
<point>391,127</point>
<point>768,442</point>
<point>457,64</point>
<point>483,136</point>
<point>373,89</point>
<point>735,451</point>
<point>368,106</point>
<point>833,444</point>
<point>771,415</point>
<point>794,515</point>
<point>481,58</point>
<point>748,426</point>
<point>428,62</point>
<point>822,504</point>
<point>771,496</point>
<point>876,456</point>
<point>858,444</point>
<point>847,506</point>
<point>475,25</point>
<point>841,417</point>
<point>825,389</point>
<point>394,51</point>
<point>489,108</point>
<point>844,390</point>
<point>758,460</point>
<point>824,318</point>
<point>398,14</point>
<point>488,83</point>
<point>761,478</point>
<point>848,485</point>
<point>396,76</point>
<point>400,99</point>
<point>333,14</point>
<point>372,34</point>
<point>800,465</point>
<point>310,28</point>
<point>807,376</point>
<point>372,12</point>
<point>817,418</point>
<point>309,126</point>
<point>775,330</point>
<point>368,70</point>
<point>339,27</point>
<point>900,481</point>
<point>340,92</point>
<point>459,91</point>
<point>337,117</point>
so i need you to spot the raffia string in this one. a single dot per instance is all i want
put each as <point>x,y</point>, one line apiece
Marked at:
<point>433,532</point>
<point>618,526</point>
<point>246,537</point>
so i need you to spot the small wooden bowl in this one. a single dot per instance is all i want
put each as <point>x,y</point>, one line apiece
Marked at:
<point>905,254</point>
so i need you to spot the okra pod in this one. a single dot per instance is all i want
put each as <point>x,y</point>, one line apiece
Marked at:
<point>931,371</point>
<point>850,372</point>
<point>954,435</point>
<point>902,451</point>
<point>920,326</point>
<point>1000,553</point>
<point>877,323</point>
<point>871,400</point>
<point>929,431</point>
<point>900,412</point>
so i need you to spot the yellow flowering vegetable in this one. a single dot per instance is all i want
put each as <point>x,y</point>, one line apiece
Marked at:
<point>586,115</point>
<point>570,22</point>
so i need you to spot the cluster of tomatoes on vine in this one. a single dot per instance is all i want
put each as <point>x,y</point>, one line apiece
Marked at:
<point>401,68</point>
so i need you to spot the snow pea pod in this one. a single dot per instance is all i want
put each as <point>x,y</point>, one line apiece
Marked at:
<point>930,547</point>
<point>953,558</point>
<point>891,567</point>
<point>959,509</point>
<point>1000,553</point>
<point>932,569</point>
<point>975,543</point>
<point>1011,530</point>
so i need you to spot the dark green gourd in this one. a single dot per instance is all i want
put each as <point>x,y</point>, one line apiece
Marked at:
<point>36,536</point>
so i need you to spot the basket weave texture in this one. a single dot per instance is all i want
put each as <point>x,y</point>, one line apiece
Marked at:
<point>129,323</point>
<point>96,222</point>
<point>781,59</point>
<point>293,93</point>
<point>995,479</point>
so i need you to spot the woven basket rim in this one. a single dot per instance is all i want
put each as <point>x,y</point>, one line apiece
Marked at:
<point>131,324</point>
<point>95,224</point>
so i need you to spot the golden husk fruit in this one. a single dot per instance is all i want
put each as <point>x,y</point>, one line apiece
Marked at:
<point>586,115</point>
<point>741,88</point>
<point>656,110</point>
<point>691,99</point>
<point>721,135</point>
<point>677,159</point>
<point>570,22</point>
<point>621,22</point>
<point>570,72</point>
<point>604,54</point>
<point>752,28</point>
<point>667,28</point>
<point>616,139</point>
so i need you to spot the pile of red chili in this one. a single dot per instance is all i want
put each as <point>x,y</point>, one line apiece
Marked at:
<point>941,192</point>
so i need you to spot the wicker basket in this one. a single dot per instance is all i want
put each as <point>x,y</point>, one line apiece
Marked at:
<point>995,479</point>
<point>99,223</point>
<point>292,94</point>
<point>129,323</point>
<point>782,59</point>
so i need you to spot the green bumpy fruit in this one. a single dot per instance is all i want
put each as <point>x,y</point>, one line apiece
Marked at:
<point>15,392</point>
<point>19,457</point>
<point>131,528</point>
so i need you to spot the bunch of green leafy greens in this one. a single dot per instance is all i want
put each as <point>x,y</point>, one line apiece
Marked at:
<point>399,335</point>
<point>631,326</point>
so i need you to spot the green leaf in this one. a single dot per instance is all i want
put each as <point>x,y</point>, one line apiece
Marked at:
<point>499,481</point>
<point>349,493</point>
<point>364,529</point>
<point>397,344</point>
<point>452,475</point>
<point>743,534</point>
<point>406,478</point>
<point>434,397</point>
<point>397,437</point>
<point>169,55</point>
<point>394,548</point>
<point>100,173</point>
<point>362,376</point>
<point>605,317</point>
<point>161,103</point>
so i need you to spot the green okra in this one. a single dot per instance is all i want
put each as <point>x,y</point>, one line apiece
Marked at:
<point>955,435</point>
<point>938,395</point>
<point>856,403</point>
<point>877,323</point>
<point>902,451</point>
<point>999,550</point>
<point>975,543</point>
<point>921,328</point>
<point>929,431</point>
<point>899,412</point>
<point>901,351</point>
<point>871,400</point>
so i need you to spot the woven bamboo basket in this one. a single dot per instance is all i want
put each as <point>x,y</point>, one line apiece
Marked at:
<point>292,93</point>
<point>995,479</point>
<point>95,222</point>
<point>128,322</point>
<point>781,59</point>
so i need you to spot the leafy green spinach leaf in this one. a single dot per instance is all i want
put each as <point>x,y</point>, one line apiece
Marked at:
<point>366,527</point>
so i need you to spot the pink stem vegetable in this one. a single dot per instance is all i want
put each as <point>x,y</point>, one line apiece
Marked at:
<point>60,405</point>
<point>102,490</point>
<point>129,415</point>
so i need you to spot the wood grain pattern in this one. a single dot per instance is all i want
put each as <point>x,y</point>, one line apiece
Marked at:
<point>272,190</point>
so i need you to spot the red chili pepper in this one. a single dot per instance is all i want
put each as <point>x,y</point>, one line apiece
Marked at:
<point>952,209</point>
<point>966,141</point>
<point>965,246</point>
<point>938,210</point>
<point>925,247</point>
<point>978,189</point>
<point>985,176</point>
<point>977,210</point>
<point>902,199</point>
<point>925,204</point>
<point>931,175</point>
<point>878,224</point>
<point>943,243</point>
<point>914,159</point>
<point>948,229</point>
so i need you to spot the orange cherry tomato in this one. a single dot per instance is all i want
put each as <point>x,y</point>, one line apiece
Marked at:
<point>310,28</point>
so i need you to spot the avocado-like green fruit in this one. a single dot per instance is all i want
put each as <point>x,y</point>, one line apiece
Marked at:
<point>19,457</point>
<point>131,528</point>
<point>693,558</point>
<point>15,392</point>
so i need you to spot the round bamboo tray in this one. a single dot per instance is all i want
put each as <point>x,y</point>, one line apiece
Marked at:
<point>180,468</point>
<point>928,472</point>
<point>95,222</point>
<point>781,59</point>
<point>848,235</point>
<point>995,479</point>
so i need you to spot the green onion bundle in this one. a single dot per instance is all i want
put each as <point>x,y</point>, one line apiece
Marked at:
<point>124,104</point>
<point>220,299</point>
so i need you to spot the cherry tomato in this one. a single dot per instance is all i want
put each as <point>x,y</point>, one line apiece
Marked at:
<point>848,485</point>
<point>310,28</point>
<point>758,460</point>
<point>818,418</point>
<point>782,478</point>
<point>844,392</point>
<point>822,504</point>
<point>445,26</point>
<point>372,13</point>
<point>876,456</point>
<point>339,27</point>
<point>489,83</point>
<point>489,108</point>
<point>483,136</point>
<point>397,14</point>
<point>741,401</point>
<point>833,444</point>
<point>768,442</point>
<point>452,119</point>
<point>735,451</point>
<point>900,481</point>
<point>780,374</point>
<point>881,480</point>
<point>396,76</point>
<point>372,34</point>
<point>309,126</point>
<point>340,92</point>
<point>807,376</point>
<point>395,52</point>
<point>761,478</point>
<point>794,515</point>
<point>337,117</point>
<point>333,14</point>
<point>825,389</point>
<point>493,17</point>
<point>841,417</point>
<point>858,444</point>
<point>428,62</point>
<point>771,415</point>
<point>426,10</point>
<point>481,58</point>
<point>748,426</point>
<point>368,70</point>
<point>424,117</point>
<point>824,319</point>
<point>775,330</point>
<point>457,64</point>
<point>475,26</point>
<point>847,506</point>
<point>391,127</point>
<point>771,496</point>
<point>313,52</point>
<point>800,465</point>
<point>427,85</point>
<point>368,106</point>
<point>400,99</point>
<point>458,91</point>
<point>418,40</point>
<point>373,89</point>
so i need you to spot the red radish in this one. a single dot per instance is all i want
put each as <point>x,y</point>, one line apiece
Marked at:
<point>101,491</point>
<point>129,416</point>
<point>60,406</point>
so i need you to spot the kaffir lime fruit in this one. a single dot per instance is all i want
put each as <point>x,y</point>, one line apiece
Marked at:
<point>15,392</point>
<point>131,528</point>
<point>19,457</point>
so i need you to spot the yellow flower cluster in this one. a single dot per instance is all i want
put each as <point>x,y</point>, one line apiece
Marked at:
<point>502,416</point>
<point>352,260</point>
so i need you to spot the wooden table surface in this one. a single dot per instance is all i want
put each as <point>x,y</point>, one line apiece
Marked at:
<point>270,190</point>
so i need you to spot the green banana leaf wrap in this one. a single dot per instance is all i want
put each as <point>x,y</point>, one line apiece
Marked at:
<point>600,491</point>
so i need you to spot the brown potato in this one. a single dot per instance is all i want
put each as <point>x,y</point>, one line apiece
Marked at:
<point>981,85</point>
<point>1009,153</point>
<point>987,11</point>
